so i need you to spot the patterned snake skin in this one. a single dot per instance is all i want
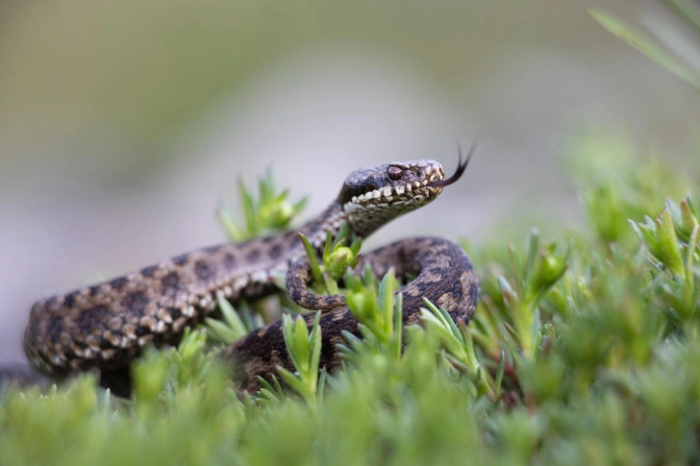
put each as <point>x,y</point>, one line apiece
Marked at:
<point>106,325</point>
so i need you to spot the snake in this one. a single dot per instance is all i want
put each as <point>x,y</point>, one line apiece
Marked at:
<point>105,326</point>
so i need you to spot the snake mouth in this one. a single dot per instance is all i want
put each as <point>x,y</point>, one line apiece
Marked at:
<point>397,187</point>
<point>428,187</point>
<point>429,184</point>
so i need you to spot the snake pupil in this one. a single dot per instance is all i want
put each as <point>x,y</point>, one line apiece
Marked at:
<point>395,173</point>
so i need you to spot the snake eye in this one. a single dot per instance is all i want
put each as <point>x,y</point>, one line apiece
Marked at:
<point>395,173</point>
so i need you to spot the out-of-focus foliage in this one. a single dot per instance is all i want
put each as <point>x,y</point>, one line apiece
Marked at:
<point>583,350</point>
<point>337,257</point>
<point>674,48</point>
<point>268,214</point>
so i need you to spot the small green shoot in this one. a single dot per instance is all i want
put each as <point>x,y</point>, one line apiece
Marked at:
<point>458,343</point>
<point>337,257</point>
<point>304,349</point>
<point>231,328</point>
<point>543,268</point>
<point>378,309</point>
<point>270,213</point>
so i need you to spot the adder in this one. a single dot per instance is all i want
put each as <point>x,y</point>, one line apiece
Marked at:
<point>106,325</point>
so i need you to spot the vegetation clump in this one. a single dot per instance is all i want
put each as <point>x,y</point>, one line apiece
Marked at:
<point>583,350</point>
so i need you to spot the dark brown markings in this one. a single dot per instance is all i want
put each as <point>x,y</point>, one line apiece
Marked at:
<point>229,262</point>
<point>51,303</point>
<point>181,259</point>
<point>69,299</point>
<point>455,290</point>
<point>79,344</point>
<point>473,291</point>
<point>148,271</point>
<point>253,256</point>
<point>291,238</point>
<point>203,270</point>
<point>94,290</point>
<point>92,317</point>
<point>136,302</point>
<point>275,252</point>
<point>295,294</point>
<point>53,329</point>
<point>171,284</point>
<point>212,249</point>
<point>119,283</point>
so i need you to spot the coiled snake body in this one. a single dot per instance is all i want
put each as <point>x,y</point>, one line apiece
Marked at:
<point>106,325</point>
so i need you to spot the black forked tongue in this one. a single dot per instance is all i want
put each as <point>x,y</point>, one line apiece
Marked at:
<point>461,166</point>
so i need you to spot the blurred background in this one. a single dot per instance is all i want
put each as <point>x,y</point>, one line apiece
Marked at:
<point>122,124</point>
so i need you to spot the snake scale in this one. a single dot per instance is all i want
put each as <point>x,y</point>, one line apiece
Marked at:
<point>106,325</point>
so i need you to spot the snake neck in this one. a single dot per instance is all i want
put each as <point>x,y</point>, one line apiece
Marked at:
<point>366,219</point>
<point>362,221</point>
<point>330,219</point>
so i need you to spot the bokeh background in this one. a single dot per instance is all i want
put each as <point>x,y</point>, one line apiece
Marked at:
<point>122,124</point>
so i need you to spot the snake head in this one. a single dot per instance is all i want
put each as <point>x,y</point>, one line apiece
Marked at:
<point>373,196</point>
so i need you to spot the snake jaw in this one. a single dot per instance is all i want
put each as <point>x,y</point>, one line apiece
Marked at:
<point>423,185</point>
<point>372,197</point>
<point>377,184</point>
<point>381,196</point>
